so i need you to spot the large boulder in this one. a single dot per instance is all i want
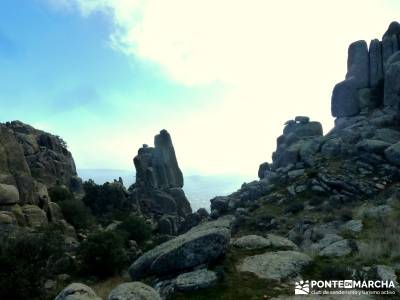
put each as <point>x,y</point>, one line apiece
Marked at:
<point>393,29</point>
<point>200,245</point>
<point>133,291</point>
<point>34,216</point>
<point>358,64</point>
<point>389,46</point>
<point>77,291</point>
<point>392,86</point>
<point>8,194</point>
<point>344,101</point>
<point>275,265</point>
<point>375,62</point>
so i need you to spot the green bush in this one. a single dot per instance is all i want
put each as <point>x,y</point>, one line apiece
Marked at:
<point>25,261</point>
<point>59,193</point>
<point>294,208</point>
<point>135,228</point>
<point>103,199</point>
<point>76,213</point>
<point>103,254</point>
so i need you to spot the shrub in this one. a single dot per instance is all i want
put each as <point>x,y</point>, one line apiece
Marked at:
<point>102,199</point>
<point>103,254</point>
<point>59,193</point>
<point>76,213</point>
<point>135,228</point>
<point>294,208</point>
<point>25,260</point>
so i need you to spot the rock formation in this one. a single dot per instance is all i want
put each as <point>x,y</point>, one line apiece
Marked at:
<point>31,161</point>
<point>157,168</point>
<point>159,181</point>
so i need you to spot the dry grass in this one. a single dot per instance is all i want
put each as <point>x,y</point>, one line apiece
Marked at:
<point>103,288</point>
<point>380,242</point>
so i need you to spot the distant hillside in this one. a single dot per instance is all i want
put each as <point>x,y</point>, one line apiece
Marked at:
<point>199,189</point>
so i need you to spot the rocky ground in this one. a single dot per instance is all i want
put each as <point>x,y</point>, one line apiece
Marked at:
<point>326,208</point>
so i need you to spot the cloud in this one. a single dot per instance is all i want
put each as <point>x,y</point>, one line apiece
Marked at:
<point>276,59</point>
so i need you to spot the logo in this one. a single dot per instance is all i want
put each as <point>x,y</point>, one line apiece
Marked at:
<point>345,287</point>
<point>302,287</point>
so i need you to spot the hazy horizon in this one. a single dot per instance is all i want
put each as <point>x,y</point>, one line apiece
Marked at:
<point>199,189</point>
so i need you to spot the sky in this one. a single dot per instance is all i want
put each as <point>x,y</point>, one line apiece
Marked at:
<point>221,76</point>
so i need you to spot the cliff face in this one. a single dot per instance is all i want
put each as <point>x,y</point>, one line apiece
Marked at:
<point>31,161</point>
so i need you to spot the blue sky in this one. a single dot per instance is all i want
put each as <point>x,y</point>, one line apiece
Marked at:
<point>107,75</point>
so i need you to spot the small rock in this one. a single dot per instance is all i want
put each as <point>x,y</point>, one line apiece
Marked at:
<point>302,119</point>
<point>77,291</point>
<point>337,249</point>
<point>354,226</point>
<point>195,280</point>
<point>50,285</point>
<point>133,291</point>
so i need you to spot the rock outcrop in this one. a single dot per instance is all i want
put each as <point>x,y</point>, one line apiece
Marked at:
<point>157,168</point>
<point>31,162</point>
<point>159,181</point>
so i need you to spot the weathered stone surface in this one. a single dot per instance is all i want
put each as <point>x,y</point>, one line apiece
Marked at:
<point>374,146</point>
<point>264,167</point>
<point>302,119</point>
<point>358,64</point>
<point>159,181</point>
<point>332,147</point>
<point>275,265</point>
<point>389,46</point>
<point>157,167</point>
<point>326,241</point>
<point>394,58</point>
<point>281,242</point>
<point>344,101</point>
<point>182,203</point>
<point>354,226</point>
<point>133,291</point>
<point>301,130</point>
<point>392,86</point>
<point>375,62</point>
<point>167,225</point>
<point>201,244</point>
<point>251,242</point>
<point>392,154</point>
<point>337,249</point>
<point>393,29</point>
<point>34,216</point>
<point>384,273</point>
<point>387,135</point>
<point>8,194</point>
<point>54,212</point>
<point>196,280</point>
<point>77,291</point>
